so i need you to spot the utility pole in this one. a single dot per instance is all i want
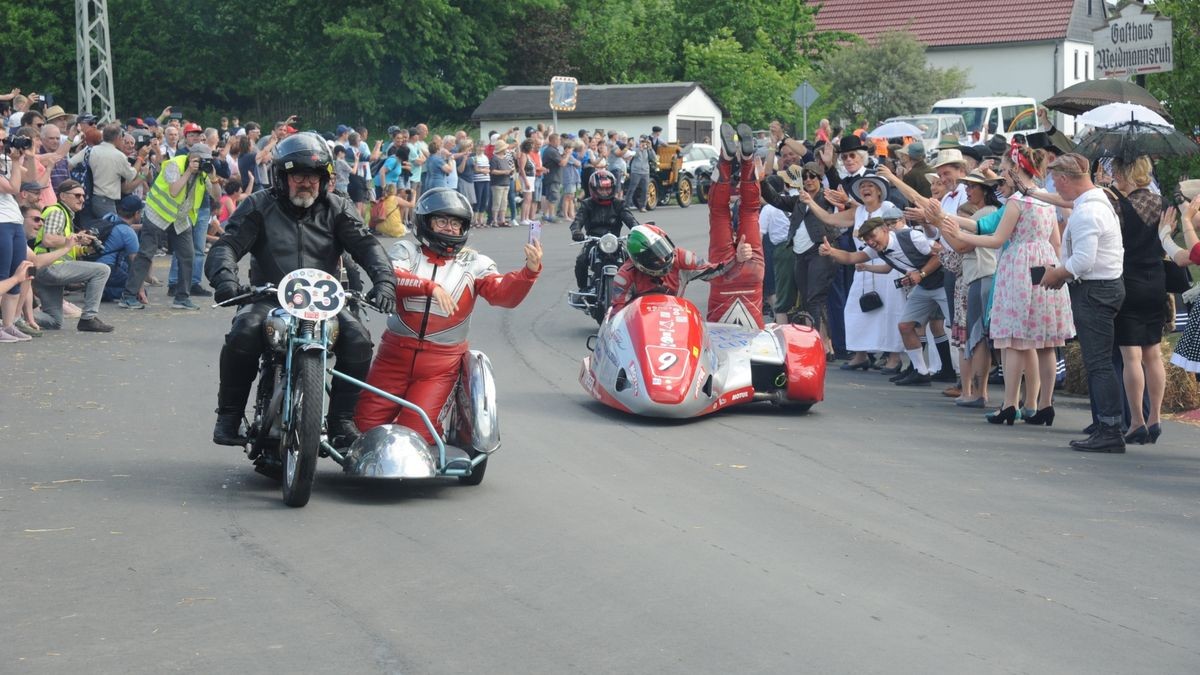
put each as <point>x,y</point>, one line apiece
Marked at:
<point>93,60</point>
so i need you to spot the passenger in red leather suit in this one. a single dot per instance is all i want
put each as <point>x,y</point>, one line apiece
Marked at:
<point>437,283</point>
<point>736,296</point>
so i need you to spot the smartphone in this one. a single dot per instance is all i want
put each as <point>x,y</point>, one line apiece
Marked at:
<point>1036,274</point>
<point>535,231</point>
<point>899,282</point>
<point>176,115</point>
<point>32,272</point>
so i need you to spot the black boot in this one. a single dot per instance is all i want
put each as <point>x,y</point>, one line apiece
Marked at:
<point>228,430</point>
<point>342,431</point>
<point>1107,438</point>
<point>343,398</point>
<point>729,144</point>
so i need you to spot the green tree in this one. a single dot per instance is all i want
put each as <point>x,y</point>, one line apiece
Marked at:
<point>743,81</point>
<point>886,79</point>
<point>1177,89</point>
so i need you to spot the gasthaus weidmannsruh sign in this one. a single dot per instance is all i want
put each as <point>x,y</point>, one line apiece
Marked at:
<point>1136,41</point>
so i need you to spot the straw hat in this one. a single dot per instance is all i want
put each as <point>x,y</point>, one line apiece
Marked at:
<point>949,156</point>
<point>978,178</point>
<point>793,176</point>
<point>501,145</point>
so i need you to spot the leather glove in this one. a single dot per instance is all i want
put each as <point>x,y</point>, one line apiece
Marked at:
<point>577,235</point>
<point>383,296</point>
<point>226,290</point>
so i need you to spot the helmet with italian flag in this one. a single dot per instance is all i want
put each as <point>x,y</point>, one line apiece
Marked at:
<point>650,250</point>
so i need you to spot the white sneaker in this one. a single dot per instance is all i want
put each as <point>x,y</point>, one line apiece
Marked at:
<point>5,336</point>
<point>17,333</point>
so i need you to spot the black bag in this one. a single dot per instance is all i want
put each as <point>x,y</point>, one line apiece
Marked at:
<point>1178,279</point>
<point>870,301</point>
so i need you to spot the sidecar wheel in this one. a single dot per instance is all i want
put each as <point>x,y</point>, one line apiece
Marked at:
<point>303,441</point>
<point>476,476</point>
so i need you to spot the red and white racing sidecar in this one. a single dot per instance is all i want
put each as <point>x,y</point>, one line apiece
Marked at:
<point>658,357</point>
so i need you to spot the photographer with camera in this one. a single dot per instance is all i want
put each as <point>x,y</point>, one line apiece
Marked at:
<point>12,234</point>
<point>58,227</point>
<point>171,210</point>
<point>911,253</point>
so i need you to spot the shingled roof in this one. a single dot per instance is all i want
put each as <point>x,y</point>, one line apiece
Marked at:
<point>947,23</point>
<point>594,100</point>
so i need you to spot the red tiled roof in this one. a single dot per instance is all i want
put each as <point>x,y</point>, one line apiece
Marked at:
<point>944,23</point>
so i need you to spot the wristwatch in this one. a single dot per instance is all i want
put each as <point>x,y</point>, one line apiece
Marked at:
<point>922,273</point>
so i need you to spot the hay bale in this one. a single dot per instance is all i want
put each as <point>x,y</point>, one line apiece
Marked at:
<point>1076,381</point>
<point>1183,392</point>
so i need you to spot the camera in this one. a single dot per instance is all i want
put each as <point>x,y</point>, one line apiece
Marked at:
<point>18,143</point>
<point>206,165</point>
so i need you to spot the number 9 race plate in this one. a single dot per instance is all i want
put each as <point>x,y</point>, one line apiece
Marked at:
<point>311,294</point>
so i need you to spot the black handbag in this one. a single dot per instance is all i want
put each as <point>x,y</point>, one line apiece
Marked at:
<point>1178,279</point>
<point>870,301</point>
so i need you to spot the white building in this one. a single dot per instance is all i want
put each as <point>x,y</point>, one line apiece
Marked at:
<point>1030,48</point>
<point>684,110</point>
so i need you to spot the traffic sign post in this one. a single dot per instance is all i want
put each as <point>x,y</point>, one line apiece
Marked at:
<point>805,96</point>
<point>563,95</point>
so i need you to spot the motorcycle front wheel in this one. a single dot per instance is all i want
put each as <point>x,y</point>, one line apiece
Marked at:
<point>303,439</point>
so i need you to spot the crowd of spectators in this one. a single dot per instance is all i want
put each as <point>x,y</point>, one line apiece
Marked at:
<point>1003,250</point>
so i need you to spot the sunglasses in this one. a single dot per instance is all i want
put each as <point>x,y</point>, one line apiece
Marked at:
<point>38,219</point>
<point>75,194</point>
<point>811,176</point>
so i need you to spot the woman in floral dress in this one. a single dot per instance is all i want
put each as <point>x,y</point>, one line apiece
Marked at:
<point>1028,320</point>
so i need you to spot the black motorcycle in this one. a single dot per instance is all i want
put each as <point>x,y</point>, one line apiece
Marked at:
<point>605,254</point>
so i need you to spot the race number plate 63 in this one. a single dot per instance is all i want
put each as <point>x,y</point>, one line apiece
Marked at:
<point>311,294</point>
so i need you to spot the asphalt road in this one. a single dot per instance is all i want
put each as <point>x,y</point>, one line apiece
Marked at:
<point>884,532</point>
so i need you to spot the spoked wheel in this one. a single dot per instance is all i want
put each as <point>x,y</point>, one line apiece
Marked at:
<point>651,196</point>
<point>303,439</point>
<point>703,183</point>
<point>684,194</point>
<point>476,476</point>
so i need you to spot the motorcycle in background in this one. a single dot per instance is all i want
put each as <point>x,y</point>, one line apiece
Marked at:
<point>605,254</point>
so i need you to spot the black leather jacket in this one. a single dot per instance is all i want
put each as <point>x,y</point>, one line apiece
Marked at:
<point>596,219</point>
<point>282,238</point>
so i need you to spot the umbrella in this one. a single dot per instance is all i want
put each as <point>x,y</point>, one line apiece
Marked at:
<point>1113,114</point>
<point>1131,140</point>
<point>1082,97</point>
<point>896,130</point>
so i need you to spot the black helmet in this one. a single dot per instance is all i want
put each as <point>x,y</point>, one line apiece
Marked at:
<point>443,202</point>
<point>602,186</point>
<point>305,152</point>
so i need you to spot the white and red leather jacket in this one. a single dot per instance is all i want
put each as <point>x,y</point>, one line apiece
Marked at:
<point>465,276</point>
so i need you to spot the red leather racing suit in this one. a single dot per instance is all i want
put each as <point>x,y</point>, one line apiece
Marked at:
<point>736,296</point>
<point>630,282</point>
<point>421,349</point>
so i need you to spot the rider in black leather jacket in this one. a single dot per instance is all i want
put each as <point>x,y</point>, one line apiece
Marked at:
<point>598,215</point>
<point>295,224</point>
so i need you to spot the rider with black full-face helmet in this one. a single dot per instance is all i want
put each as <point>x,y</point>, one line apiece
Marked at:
<point>598,215</point>
<point>297,223</point>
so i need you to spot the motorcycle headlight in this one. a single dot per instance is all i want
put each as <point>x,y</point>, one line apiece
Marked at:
<point>609,243</point>
<point>275,330</point>
<point>332,326</point>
